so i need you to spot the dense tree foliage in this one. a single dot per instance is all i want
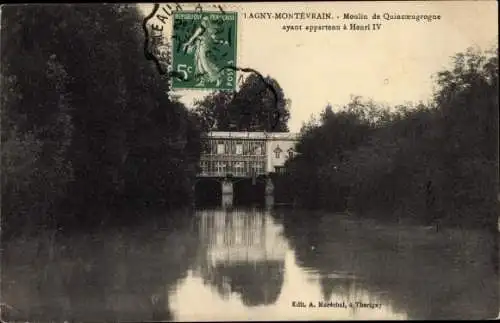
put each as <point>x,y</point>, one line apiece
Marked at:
<point>86,120</point>
<point>435,163</point>
<point>259,105</point>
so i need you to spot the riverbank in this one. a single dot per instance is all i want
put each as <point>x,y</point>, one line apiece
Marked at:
<point>419,266</point>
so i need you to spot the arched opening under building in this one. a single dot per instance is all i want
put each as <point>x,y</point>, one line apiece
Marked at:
<point>208,192</point>
<point>248,191</point>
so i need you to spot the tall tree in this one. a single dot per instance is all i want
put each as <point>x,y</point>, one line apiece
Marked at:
<point>80,98</point>
<point>322,149</point>
<point>467,99</point>
<point>432,164</point>
<point>259,105</point>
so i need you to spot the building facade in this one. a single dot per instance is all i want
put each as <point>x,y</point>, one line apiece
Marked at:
<point>245,154</point>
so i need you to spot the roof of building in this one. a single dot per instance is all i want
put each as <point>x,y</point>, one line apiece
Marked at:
<point>253,135</point>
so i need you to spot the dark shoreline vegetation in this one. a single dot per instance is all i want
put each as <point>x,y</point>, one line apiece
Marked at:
<point>90,136</point>
<point>89,133</point>
<point>434,164</point>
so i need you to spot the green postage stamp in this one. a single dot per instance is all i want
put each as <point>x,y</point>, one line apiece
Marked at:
<point>204,50</point>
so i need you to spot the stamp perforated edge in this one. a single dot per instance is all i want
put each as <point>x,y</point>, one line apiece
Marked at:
<point>188,7</point>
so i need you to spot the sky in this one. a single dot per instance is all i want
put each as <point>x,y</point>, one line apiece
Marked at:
<point>392,65</point>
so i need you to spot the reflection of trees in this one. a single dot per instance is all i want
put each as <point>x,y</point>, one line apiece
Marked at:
<point>338,286</point>
<point>241,252</point>
<point>123,275</point>
<point>258,284</point>
<point>427,275</point>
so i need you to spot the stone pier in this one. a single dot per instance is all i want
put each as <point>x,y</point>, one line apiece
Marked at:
<point>269,191</point>
<point>227,193</point>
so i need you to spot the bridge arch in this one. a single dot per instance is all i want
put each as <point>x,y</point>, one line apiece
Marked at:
<point>208,191</point>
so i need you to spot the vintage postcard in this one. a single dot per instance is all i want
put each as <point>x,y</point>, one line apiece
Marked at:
<point>249,161</point>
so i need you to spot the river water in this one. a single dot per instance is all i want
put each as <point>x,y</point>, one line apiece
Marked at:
<point>251,264</point>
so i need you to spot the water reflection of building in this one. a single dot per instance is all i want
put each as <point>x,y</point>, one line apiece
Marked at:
<point>241,252</point>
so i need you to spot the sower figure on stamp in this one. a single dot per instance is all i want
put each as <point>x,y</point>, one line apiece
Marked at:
<point>202,39</point>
